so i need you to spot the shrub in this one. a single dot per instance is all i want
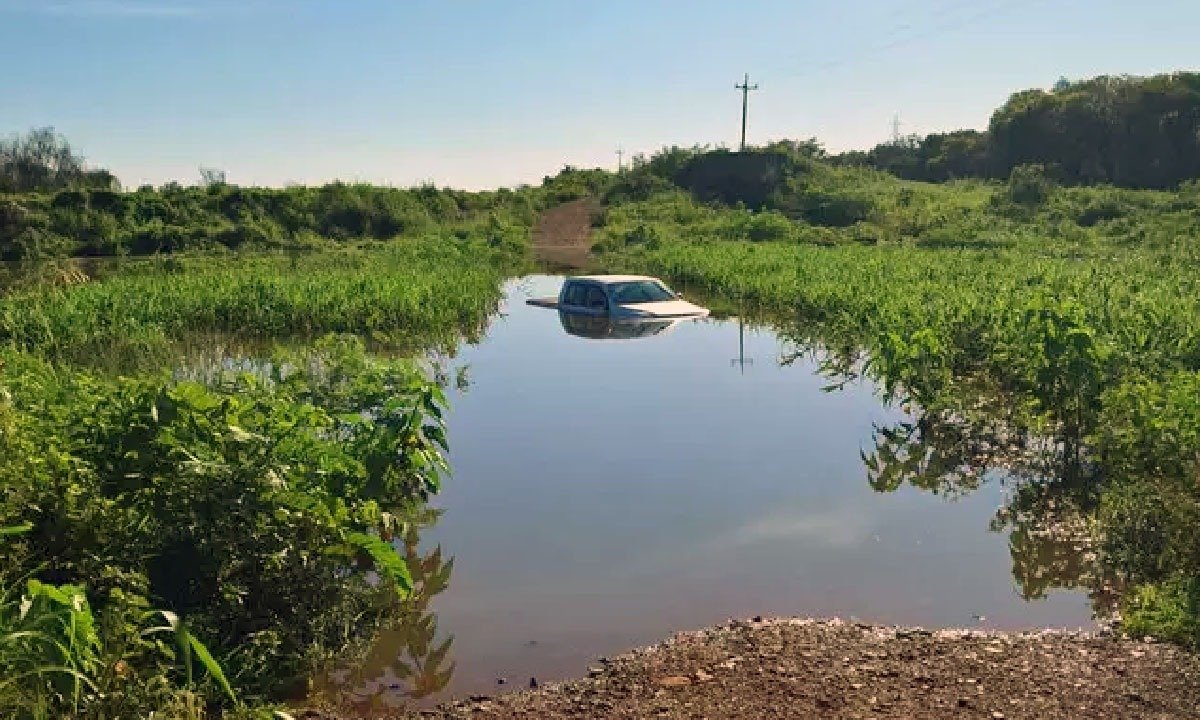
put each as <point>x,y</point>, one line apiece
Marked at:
<point>257,506</point>
<point>1168,611</point>
<point>1029,185</point>
<point>644,235</point>
<point>770,226</point>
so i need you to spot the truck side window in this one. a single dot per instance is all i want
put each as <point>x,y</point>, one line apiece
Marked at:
<point>574,295</point>
<point>596,299</point>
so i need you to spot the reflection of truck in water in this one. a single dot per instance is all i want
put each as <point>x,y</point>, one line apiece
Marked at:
<point>604,328</point>
<point>626,297</point>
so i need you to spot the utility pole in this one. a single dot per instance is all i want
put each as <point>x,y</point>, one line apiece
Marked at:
<point>741,361</point>
<point>620,159</point>
<point>745,87</point>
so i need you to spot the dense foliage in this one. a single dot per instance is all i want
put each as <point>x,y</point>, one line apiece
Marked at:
<point>217,217</point>
<point>1139,132</point>
<point>42,160</point>
<point>257,506</point>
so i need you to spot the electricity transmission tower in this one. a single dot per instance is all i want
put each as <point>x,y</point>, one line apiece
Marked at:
<point>620,159</point>
<point>896,128</point>
<point>745,87</point>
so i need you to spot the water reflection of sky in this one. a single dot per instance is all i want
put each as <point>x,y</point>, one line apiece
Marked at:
<point>607,493</point>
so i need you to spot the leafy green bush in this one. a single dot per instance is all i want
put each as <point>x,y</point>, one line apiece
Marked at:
<point>770,226</point>
<point>1168,611</point>
<point>1028,185</point>
<point>258,506</point>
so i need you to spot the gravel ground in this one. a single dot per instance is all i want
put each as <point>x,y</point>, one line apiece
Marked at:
<point>790,668</point>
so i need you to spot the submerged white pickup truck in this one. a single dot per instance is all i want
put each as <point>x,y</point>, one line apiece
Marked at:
<point>620,296</point>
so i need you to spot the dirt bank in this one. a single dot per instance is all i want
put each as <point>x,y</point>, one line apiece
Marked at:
<point>833,669</point>
<point>803,668</point>
<point>563,234</point>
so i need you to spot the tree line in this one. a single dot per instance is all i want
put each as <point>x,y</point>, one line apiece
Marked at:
<point>1128,131</point>
<point>43,160</point>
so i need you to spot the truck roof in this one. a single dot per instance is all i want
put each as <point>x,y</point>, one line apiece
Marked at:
<point>606,279</point>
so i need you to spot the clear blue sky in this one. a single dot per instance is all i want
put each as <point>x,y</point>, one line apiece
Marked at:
<point>480,94</point>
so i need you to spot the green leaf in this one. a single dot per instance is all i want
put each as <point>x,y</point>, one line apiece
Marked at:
<point>11,530</point>
<point>388,563</point>
<point>211,665</point>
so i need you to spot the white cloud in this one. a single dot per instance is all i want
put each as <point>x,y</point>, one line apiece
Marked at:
<point>836,527</point>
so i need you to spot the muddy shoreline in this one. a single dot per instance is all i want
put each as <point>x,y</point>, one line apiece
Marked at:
<point>785,668</point>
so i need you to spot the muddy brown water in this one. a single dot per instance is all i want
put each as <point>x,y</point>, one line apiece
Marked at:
<point>609,489</point>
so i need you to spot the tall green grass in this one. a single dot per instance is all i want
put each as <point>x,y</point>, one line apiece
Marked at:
<point>407,289</point>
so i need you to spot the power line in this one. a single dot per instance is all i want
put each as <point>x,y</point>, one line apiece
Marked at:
<point>745,87</point>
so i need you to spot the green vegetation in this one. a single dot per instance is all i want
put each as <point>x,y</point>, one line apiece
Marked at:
<point>1127,131</point>
<point>44,160</point>
<point>258,507</point>
<point>200,548</point>
<point>1047,331</point>
<point>172,219</point>
<point>57,210</point>
<point>404,293</point>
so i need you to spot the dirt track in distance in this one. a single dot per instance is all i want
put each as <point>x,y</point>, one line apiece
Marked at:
<point>563,234</point>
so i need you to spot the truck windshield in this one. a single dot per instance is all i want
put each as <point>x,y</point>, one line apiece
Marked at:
<point>640,291</point>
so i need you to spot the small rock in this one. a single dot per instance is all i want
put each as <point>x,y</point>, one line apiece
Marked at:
<point>997,715</point>
<point>674,681</point>
<point>501,681</point>
<point>533,683</point>
<point>757,618</point>
<point>964,702</point>
<point>702,676</point>
<point>594,671</point>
